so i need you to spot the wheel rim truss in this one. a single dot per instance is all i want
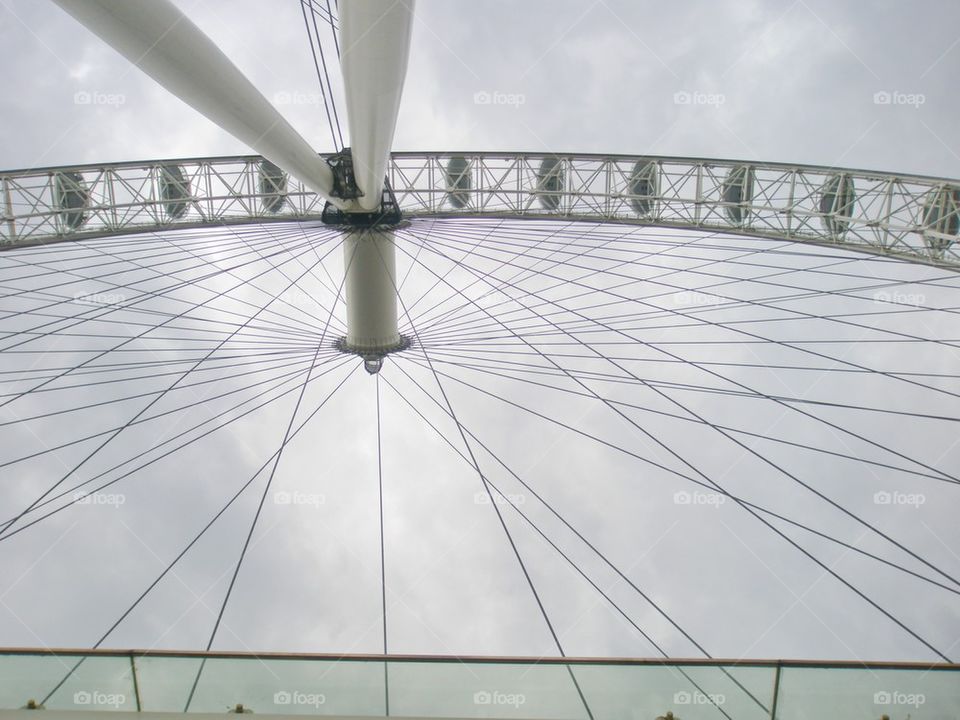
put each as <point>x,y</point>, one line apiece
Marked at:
<point>906,216</point>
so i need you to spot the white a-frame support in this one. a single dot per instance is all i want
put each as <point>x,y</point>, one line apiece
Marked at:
<point>375,44</point>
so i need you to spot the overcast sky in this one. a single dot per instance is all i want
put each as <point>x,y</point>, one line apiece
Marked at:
<point>795,81</point>
<point>800,81</point>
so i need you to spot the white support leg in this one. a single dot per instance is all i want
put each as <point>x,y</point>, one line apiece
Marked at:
<point>371,292</point>
<point>375,45</point>
<point>156,37</point>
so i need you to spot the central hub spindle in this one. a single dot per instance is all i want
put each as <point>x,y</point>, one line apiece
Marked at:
<point>369,257</point>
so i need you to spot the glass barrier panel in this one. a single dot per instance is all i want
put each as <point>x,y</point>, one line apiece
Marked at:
<point>918,694</point>
<point>101,683</point>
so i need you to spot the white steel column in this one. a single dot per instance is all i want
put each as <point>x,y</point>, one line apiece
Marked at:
<point>156,37</point>
<point>374,47</point>
<point>371,292</point>
<point>375,44</point>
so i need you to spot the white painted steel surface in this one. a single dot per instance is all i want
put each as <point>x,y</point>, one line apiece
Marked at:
<point>369,257</point>
<point>156,37</point>
<point>375,45</point>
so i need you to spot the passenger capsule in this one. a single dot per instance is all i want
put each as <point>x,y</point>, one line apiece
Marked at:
<point>71,198</point>
<point>459,181</point>
<point>837,200</point>
<point>941,214</point>
<point>644,187</point>
<point>174,190</point>
<point>550,183</point>
<point>273,187</point>
<point>738,194</point>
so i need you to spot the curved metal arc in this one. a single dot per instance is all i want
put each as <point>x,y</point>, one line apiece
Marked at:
<point>899,216</point>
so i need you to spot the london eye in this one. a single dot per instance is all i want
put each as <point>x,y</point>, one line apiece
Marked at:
<point>350,430</point>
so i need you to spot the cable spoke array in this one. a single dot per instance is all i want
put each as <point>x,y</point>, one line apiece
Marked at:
<point>317,14</point>
<point>597,429</point>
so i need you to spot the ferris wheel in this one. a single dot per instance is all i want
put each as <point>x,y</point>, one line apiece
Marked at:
<point>538,406</point>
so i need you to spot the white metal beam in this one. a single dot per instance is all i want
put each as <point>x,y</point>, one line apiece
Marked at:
<point>371,292</point>
<point>375,45</point>
<point>156,37</point>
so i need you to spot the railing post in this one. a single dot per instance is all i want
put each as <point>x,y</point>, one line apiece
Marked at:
<point>776,690</point>
<point>136,684</point>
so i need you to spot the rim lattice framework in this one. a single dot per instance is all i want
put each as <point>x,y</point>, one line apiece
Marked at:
<point>907,216</point>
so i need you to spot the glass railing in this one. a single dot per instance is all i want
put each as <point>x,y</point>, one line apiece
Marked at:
<point>445,687</point>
